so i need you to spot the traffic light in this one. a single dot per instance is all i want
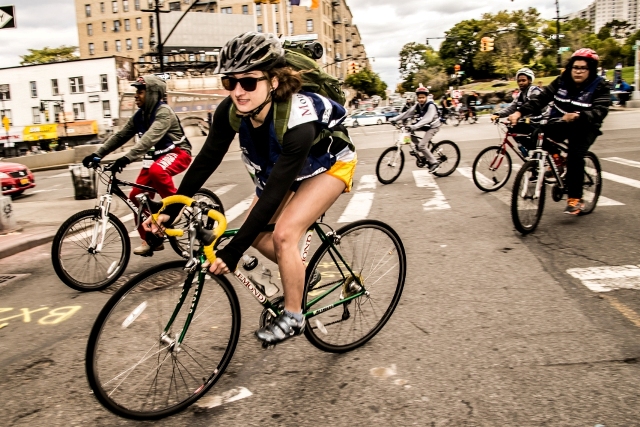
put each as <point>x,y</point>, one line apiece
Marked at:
<point>456,68</point>
<point>486,44</point>
<point>353,68</point>
<point>43,106</point>
<point>489,45</point>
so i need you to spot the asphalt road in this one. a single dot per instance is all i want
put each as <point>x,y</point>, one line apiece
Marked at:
<point>493,328</point>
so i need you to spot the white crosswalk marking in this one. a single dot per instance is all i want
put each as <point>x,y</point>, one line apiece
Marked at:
<point>238,209</point>
<point>225,189</point>
<point>608,278</point>
<point>621,179</point>
<point>360,204</point>
<point>622,161</point>
<point>424,179</point>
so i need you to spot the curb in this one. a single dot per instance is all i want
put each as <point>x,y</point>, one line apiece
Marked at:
<point>26,244</point>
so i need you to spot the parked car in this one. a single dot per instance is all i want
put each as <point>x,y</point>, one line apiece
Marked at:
<point>15,178</point>
<point>365,118</point>
<point>388,112</point>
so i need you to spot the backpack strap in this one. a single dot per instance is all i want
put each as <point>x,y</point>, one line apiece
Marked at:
<point>281,114</point>
<point>234,120</point>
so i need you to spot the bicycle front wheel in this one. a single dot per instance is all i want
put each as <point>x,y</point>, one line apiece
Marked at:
<point>390,164</point>
<point>592,184</point>
<point>526,208</point>
<point>375,254</point>
<point>181,244</point>
<point>448,154</point>
<point>137,373</point>
<point>76,257</point>
<point>492,168</point>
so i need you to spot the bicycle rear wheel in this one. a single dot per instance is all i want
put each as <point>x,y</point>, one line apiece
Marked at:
<point>592,185</point>
<point>526,208</point>
<point>390,164</point>
<point>181,244</point>
<point>376,255</point>
<point>134,373</point>
<point>448,154</point>
<point>79,265</point>
<point>492,168</point>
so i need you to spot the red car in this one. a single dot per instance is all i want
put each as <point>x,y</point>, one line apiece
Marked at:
<point>15,178</point>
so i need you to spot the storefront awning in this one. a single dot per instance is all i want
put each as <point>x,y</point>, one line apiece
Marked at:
<point>78,128</point>
<point>34,133</point>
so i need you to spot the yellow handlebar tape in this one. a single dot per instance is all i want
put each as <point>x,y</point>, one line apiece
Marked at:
<point>213,214</point>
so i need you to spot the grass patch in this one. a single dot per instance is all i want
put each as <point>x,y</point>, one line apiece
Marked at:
<point>627,74</point>
<point>510,85</point>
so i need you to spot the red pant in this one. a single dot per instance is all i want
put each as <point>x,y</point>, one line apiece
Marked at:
<point>159,176</point>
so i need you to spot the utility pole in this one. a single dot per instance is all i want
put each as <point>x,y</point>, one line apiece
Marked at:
<point>159,44</point>
<point>559,55</point>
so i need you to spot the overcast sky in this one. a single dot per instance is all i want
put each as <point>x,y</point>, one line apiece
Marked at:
<point>385,25</point>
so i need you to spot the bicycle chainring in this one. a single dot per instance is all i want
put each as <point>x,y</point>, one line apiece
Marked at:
<point>557,193</point>
<point>266,317</point>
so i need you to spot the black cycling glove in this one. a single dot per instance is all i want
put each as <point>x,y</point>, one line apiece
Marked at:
<point>120,164</point>
<point>91,160</point>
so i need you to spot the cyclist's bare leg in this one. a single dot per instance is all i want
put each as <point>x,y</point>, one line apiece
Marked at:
<point>264,241</point>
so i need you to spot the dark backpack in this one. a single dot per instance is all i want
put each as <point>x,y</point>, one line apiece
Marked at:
<point>313,78</point>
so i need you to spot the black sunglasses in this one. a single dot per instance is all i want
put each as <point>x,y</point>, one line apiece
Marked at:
<point>248,84</point>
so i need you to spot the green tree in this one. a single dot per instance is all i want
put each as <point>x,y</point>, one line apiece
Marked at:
<point>47,55</point>
<point>460,46</point>
<point>367,82</point>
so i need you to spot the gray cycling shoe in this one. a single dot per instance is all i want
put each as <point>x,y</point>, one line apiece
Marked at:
<point>281,328</point>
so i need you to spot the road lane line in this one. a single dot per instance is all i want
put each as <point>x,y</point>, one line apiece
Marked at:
<point>360,204</point>
<point>622,161</point>
<point>621,179</point>
<point>627,312</point>
<point>424,179</point>
<point>608,278</point>
<point>238,209</point>
<point>225,189</point>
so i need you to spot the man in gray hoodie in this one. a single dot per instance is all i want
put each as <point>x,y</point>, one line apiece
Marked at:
<point>426,116</point>
<point>159,138</point>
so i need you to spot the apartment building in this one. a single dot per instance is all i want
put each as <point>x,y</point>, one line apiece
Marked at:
<point>601,12</point>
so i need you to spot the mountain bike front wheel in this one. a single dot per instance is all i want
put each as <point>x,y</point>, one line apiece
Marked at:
<point>375,254</point>
<point>77,260</point>
<point>492,168</point>
<point>390,164</point>
<point>592,183</point>
<point>526,207</point>
<point>448,154</point>
<point>135,370</point>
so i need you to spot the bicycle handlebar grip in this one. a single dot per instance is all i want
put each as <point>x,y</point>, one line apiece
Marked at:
<point>213,214</point>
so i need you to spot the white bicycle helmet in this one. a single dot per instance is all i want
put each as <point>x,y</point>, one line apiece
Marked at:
<point>527,72</point>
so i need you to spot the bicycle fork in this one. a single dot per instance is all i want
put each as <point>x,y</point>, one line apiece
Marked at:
<point>100,227</point>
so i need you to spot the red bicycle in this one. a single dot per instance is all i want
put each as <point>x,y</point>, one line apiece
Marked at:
<point>492,167</point>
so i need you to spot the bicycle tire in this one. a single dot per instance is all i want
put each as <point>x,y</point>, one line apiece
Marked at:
<point>379,164</point>
<point>526,224</point>
<point>77,231</point>
<point>122,339</point>
<point>491,182</point>
<point>448,154</point>
<point>592,183</point>
<point>357,257</point>
<point>180,244</point>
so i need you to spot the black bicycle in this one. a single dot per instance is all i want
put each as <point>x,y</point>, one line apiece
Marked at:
<point>91,249</point>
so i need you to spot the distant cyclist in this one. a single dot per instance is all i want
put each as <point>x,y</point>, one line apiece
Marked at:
<point>471,102</point>
<point>528,90</point>
<point>159,134</point>
<point>426,118</point>
<point>581,99</point>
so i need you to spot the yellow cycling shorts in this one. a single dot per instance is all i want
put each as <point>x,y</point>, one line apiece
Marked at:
<point>344,170</point>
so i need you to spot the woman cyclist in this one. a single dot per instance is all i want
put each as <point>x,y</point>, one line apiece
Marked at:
<point>581,100</point>
<point>297,178</point>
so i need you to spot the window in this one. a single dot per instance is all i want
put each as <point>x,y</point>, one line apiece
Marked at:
<point>259,9</point>
<point>116,26</point>
<point>106,109</point>
<point>54,87</point>
<point>128,44</point>
<point>76,84</point>
<point>259,28</point>
<point>56,113</point>
<point>227,10</point>
<point>136,4</point>
<point>125,5</point>
<point>104,27</point>
<point>277,27</point>
<point>78,111</point>
<point>245,9</point>
<point>140,43</point>
<point>114,6</point>
<point>105,46</point>
<point>127,25</point>
<point>35,112</point>
<point>118,46</point>
<point>89,29</point>
<point>309,25</point>
<point>7,114</point>
<point>290,27</point>
<point>138,23</point>
<point>101,7</point>
<point>92,49</point>
<point>174,5</point>
<point>33,89</point>
<point>275,8</point>
<point>290,8</point>
<point>104,83</point>
<point>87,10</point>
